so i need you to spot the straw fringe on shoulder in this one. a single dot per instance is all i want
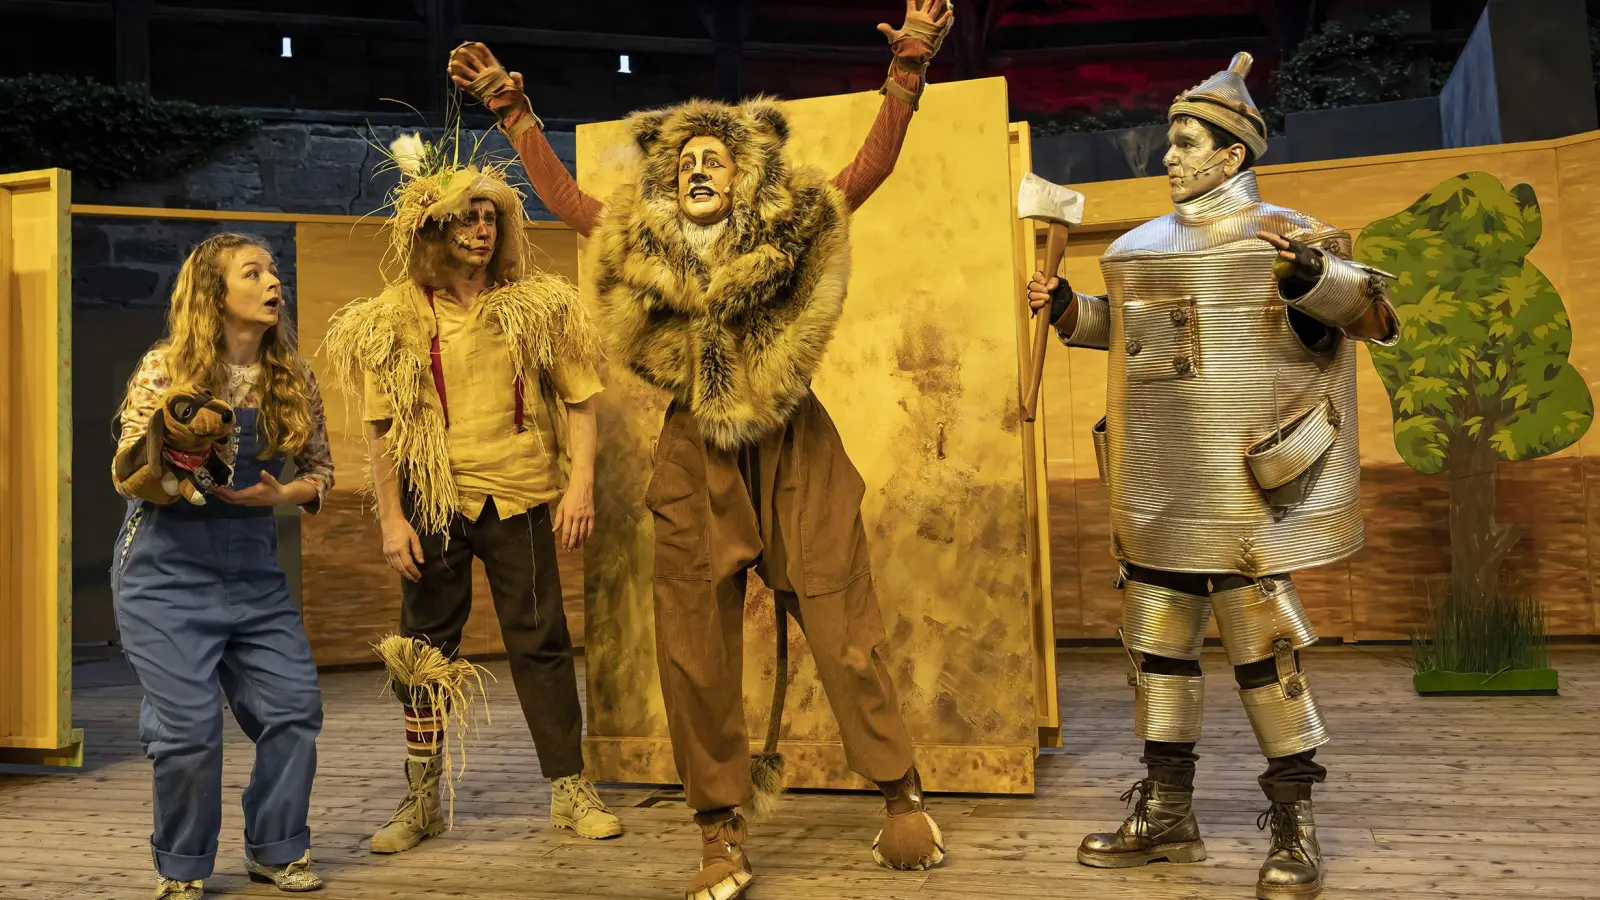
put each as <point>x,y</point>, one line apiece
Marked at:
<point>388,337</point>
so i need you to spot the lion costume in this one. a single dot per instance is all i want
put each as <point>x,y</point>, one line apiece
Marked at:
<point>732,317</point>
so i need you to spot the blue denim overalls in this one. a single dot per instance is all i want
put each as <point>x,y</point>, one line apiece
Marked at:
<point>202,603</point>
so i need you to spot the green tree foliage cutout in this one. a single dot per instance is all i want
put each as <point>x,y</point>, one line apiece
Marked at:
<point>1480,373</point>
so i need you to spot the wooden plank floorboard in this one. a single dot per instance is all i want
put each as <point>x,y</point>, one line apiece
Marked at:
<point>1470,798</point>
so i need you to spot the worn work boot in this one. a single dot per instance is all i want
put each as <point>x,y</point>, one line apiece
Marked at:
<point>910,839</point>
<point>296,877</point>
<point>576,806</point>
<point>1162,827</point>
<point>1293,870</point>
<point>724,870</point>
<point>169,889</point>
<point>418,815</point>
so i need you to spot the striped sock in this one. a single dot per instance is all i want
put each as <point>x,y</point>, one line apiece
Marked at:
<point>424,733</point>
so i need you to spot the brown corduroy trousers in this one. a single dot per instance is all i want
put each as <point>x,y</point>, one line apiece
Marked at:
<point>790,507</point>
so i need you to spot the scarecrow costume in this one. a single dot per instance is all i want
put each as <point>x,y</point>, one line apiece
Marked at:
<point>474,400</point>
<point>202,603</point>
<point>749,471</point>
<point>1230,448</point>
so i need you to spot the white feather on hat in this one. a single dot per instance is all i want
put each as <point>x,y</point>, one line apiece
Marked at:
<point>407,151</point>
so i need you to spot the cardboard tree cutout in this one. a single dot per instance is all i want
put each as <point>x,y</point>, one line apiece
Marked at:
<point>1480,372</point>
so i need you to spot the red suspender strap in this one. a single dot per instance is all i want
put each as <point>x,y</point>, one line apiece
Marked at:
<point>438,371</point>
<point>435,364</point>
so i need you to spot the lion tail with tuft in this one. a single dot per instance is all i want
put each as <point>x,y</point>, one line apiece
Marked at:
<point>767,767</point>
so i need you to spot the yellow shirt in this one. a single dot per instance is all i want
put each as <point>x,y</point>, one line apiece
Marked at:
<point>488,456</point>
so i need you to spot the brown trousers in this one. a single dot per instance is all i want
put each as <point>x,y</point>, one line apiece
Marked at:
<point>790,507</point>
<point>519,556</point>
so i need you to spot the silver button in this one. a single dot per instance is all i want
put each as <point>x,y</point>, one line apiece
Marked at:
<point>1182,364</point>
<point>1134,347</point>
<point>1180,317</point>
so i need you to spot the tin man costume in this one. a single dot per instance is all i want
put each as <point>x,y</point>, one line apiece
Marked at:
<point>1230,448</point>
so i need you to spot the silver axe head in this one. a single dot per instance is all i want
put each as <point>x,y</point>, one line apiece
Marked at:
<point>1040,199</point>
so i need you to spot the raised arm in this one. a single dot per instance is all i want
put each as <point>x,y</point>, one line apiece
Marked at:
<point>475,70</point>
<point>1323,283</point>
<point>914,45</point>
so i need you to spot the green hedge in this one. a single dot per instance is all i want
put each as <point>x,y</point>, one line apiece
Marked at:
<point>108,136</point>
<point>1354,64</point>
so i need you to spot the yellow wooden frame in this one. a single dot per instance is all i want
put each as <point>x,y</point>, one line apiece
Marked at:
<point>36,470</point>
<point>895,323</point>
<point>1035,460</point>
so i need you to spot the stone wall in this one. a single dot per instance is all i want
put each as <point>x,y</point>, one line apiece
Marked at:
<point>287,167</point>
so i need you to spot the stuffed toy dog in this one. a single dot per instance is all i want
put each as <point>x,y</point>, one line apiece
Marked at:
<point>177,457</point>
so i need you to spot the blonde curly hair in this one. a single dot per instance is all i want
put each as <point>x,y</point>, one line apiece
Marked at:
<point>193,346</point>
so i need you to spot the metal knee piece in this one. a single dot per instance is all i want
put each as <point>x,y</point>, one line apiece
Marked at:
<point>1253,617</point>
<point>1163,622</point>
<point>1265,620</point>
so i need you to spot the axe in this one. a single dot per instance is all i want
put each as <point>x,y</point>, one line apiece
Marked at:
<point>1057,207</point>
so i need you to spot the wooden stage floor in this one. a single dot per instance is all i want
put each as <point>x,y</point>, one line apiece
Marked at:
<point>1458,797</point>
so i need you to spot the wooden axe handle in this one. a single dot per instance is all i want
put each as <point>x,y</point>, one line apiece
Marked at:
<point>1054,249</point>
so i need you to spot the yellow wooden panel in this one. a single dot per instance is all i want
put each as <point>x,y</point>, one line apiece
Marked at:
<point>35,462</point>
<point>350,595</point>
<point>927,346</point>
<point>1078,377</point>
<point>1578,169</point>
<point>1035,460</point>
<point>13,667</point>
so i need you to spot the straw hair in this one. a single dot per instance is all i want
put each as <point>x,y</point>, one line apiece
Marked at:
<point>439,182</point>
<point>448,688</point>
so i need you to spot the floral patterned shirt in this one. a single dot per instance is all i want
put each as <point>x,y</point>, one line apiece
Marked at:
<point>149,385</point>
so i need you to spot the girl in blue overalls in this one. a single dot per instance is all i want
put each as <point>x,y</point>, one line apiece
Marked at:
<point>200,599</point>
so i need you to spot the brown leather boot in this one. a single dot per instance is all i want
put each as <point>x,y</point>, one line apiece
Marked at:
<point>725,872</point>
<point>910,839</point>
<point>1293,870</point>
<point>1162,827</point>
